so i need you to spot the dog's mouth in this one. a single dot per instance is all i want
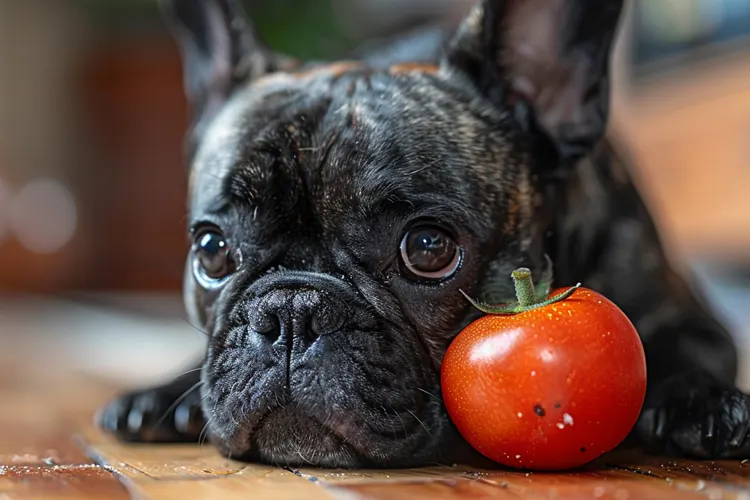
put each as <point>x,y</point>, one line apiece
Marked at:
<point>289,437</point>
<point>296,435</point>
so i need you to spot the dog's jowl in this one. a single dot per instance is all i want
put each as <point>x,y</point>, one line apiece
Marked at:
<point>337,209</point>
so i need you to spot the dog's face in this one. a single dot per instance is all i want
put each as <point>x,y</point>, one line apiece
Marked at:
<point>334,226</point>
<point>337,211</point>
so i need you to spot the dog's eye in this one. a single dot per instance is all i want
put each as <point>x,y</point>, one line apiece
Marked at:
<point>213,258</point>
<point>429,252</point>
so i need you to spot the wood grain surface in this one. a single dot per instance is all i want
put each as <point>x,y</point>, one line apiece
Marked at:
<point>50,450</point>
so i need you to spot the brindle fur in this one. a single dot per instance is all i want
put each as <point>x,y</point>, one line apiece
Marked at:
<point>314,171</point>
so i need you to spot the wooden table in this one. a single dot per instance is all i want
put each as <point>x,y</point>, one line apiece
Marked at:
<point>50,450</point>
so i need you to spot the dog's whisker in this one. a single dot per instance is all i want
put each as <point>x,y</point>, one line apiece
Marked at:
<point>196,328</point>
<point>187,372</point>
<point>328,418</point>
<point>278,401</point>
<point>420,422</point>
<point>177,402</point>
<point>429,394</point>
<point>395,435</point>
<point>406,433</point>
<point>298,446</point>
<point>204,432</point>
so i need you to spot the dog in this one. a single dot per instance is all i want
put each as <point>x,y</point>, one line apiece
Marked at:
<point>337,210</point>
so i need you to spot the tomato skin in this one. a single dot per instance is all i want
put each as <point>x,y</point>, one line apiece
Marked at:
<point>547,389</point>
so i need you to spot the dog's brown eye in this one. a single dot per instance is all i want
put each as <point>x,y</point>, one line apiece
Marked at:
<point>213,259</point>
<point>429,252</point>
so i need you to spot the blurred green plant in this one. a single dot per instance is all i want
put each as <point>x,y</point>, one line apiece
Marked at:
<point>304,28</point>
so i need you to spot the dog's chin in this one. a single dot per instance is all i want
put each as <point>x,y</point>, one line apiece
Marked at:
<point>286,437</point>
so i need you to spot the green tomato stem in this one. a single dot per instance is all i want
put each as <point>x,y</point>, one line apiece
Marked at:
<point>524,285</point>
<point>529,297</point>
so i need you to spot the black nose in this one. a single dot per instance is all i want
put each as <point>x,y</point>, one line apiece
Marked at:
<point>305,314</point>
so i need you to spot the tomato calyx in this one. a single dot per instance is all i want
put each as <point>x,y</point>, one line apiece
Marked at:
<point>529,296</point>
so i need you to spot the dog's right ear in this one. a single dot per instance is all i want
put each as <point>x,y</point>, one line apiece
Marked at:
<point>551,55</point>
<point>220,51</point>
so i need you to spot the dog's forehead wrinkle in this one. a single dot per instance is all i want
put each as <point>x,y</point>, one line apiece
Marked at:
<point>389,139</point>
<point>255,124</point>
<point>220,150</point>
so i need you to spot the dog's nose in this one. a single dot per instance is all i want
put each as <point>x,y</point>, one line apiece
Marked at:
<point>307,313</point>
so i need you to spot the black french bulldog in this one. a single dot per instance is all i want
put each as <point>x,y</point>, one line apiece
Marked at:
<point>336,210</point>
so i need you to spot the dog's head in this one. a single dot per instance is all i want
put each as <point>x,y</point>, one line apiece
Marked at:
<point>336,211</point>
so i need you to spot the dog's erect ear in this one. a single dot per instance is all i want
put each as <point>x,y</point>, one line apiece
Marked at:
<point>220,50</point>
<point>551,55</point>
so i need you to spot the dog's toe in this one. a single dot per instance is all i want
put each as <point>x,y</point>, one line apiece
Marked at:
<point>694,436</point>
<point>114,416</point>
<point>738,437</point>
<point>734,442</point>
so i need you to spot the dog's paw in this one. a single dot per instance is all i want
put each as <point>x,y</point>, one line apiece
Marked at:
<point>166,414</point>
<point>698,417</point>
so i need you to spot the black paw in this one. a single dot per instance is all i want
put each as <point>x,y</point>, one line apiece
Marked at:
<point>696,416</point>
<point>167,414</point>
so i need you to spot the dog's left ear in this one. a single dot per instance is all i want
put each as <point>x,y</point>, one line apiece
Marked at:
<point>551,55</point>
<point>220,50</point>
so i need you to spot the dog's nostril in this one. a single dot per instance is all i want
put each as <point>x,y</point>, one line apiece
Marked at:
<point>315,326</point>
<point>324,324</point>
<point>266,324</point>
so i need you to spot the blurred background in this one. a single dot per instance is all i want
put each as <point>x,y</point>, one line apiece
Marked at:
<point>92,182</point>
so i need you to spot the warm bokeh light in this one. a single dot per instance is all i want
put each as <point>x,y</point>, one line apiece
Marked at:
<point>44,216</point>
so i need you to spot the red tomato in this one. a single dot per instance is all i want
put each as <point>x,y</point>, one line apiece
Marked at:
<point>550,388</point>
